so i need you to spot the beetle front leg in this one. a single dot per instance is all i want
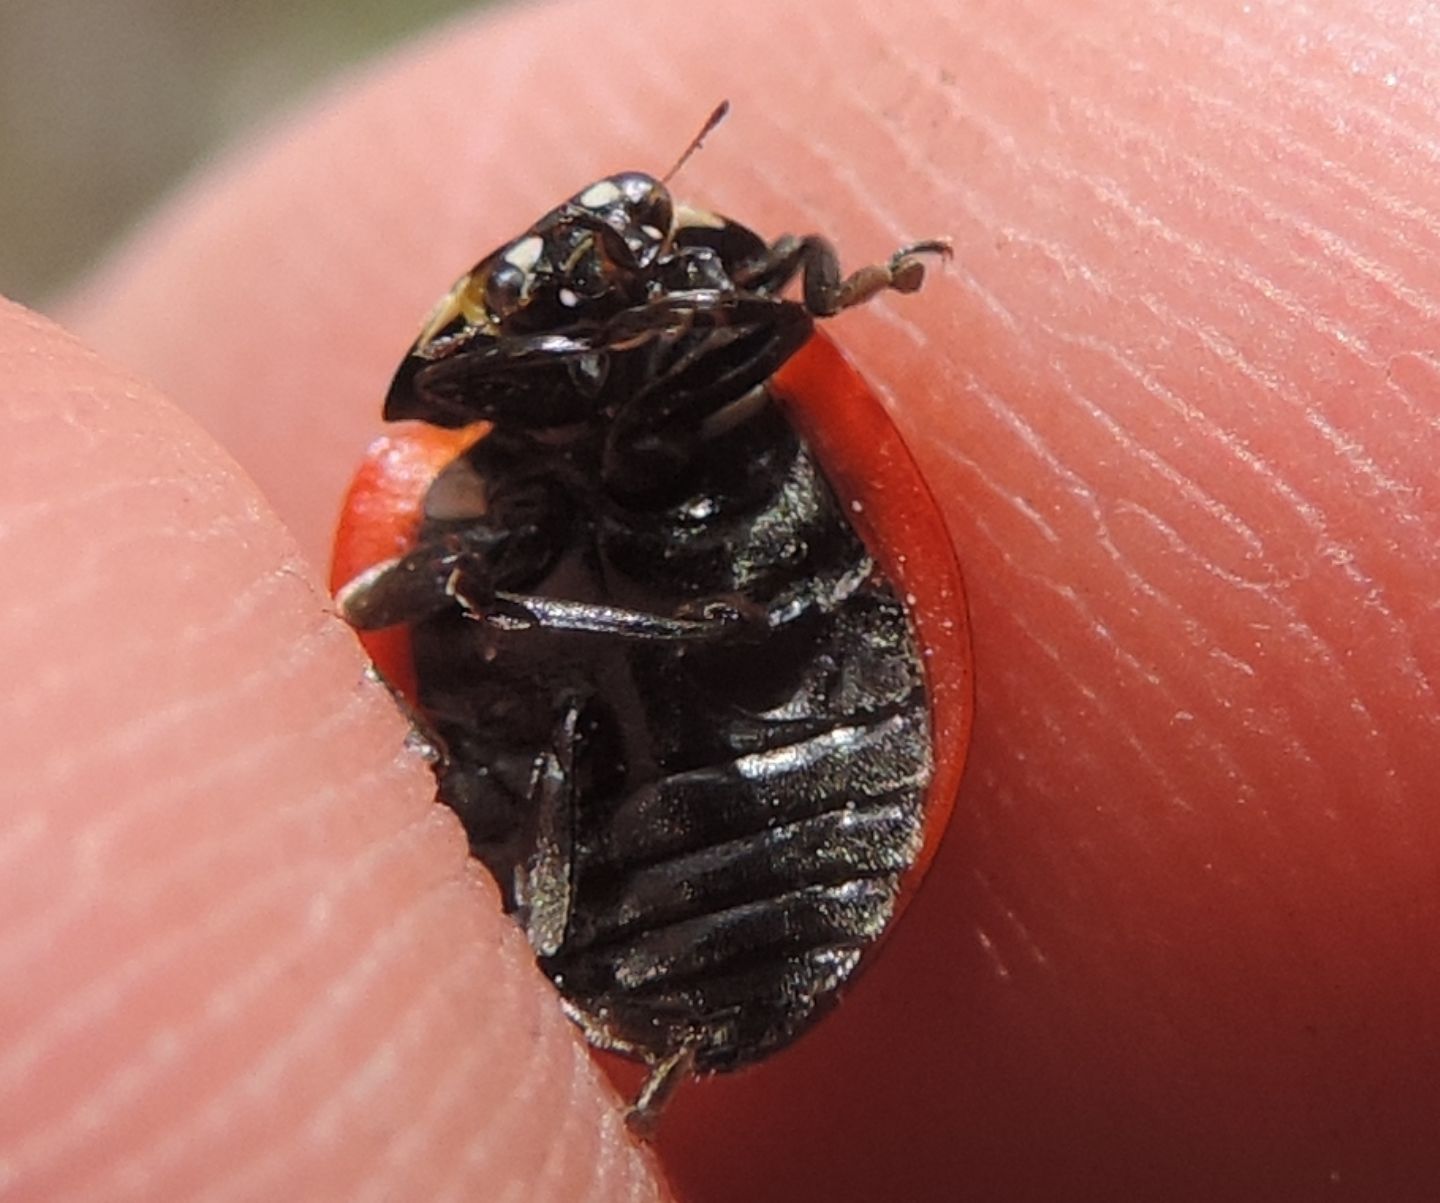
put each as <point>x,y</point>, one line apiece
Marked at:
<point>510,379</point>
<point>825,290</point>
<point>434,577</point>
<point>735,344</point>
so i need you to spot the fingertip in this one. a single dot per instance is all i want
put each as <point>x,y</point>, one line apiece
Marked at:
<point>242,948</point>
<point>1173,394</point>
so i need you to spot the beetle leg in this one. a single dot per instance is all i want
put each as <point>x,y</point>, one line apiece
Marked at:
<point>612,243</point>
<point>677,312</point>
<point>478,360</point>
<point>708,620</point>
<point>719,368</point>
<point>422,583</point>
<point>826,292</point>
<point>494,378</point>
<point>546,892</point>
<point>481,537</point>
<point>684,311</point>
<point>736,343</point>
<point>438,576</point>
<point>712,619</point>
<point>503,378</point>
<point>665,1076</point>
<point>724,343</point>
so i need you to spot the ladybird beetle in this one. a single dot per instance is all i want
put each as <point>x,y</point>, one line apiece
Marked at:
<point>688,636</point>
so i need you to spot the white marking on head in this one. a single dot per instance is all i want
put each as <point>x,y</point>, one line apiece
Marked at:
<point>568,298</point>
<point>525,253</point>
<point>600,194</point>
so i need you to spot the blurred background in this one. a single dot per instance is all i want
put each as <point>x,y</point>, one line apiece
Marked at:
<point>106,104</point>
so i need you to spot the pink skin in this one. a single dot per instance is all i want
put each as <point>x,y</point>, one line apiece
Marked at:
<point>1178,395</point>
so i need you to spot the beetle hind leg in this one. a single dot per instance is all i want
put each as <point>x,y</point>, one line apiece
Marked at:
<point>546,888</point>
<point>664,1079</point>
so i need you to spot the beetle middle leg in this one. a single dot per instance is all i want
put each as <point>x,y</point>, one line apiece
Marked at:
<point>435,577</point>
<point>705,621</point>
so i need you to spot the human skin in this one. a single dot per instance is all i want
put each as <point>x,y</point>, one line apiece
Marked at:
<point>1178,397</point>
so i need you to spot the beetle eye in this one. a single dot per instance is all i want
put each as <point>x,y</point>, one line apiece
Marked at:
<point>653,213</point>
<point>648,205</point>
<point>504,290</point>
<point>654,219</point>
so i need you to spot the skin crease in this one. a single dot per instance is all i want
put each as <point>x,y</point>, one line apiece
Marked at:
<point>1178,396</point>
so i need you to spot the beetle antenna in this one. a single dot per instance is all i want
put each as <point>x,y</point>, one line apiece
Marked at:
<point>698,140</point>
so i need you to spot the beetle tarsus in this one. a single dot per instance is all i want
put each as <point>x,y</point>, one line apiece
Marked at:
<point>825,290</point>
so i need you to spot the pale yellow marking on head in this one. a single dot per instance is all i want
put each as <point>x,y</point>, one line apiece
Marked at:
<point>687,217</point>
<point>525,254</point>
<point>463,300</point>
<point>600,194</point>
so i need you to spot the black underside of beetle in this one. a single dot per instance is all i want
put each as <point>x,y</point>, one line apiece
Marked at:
<point>700,836</point>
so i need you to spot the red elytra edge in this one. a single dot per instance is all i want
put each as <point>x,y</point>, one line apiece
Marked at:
<point>866,462</point>
<point>873,473</point>
<point>380,519</point>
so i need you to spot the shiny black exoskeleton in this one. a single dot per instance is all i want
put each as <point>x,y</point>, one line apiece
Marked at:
<point>682,715</point>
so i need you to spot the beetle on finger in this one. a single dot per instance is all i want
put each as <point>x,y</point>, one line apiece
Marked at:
<point>699,704</point>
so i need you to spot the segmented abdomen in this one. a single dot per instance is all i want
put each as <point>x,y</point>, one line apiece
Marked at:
<point>721,900</point>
